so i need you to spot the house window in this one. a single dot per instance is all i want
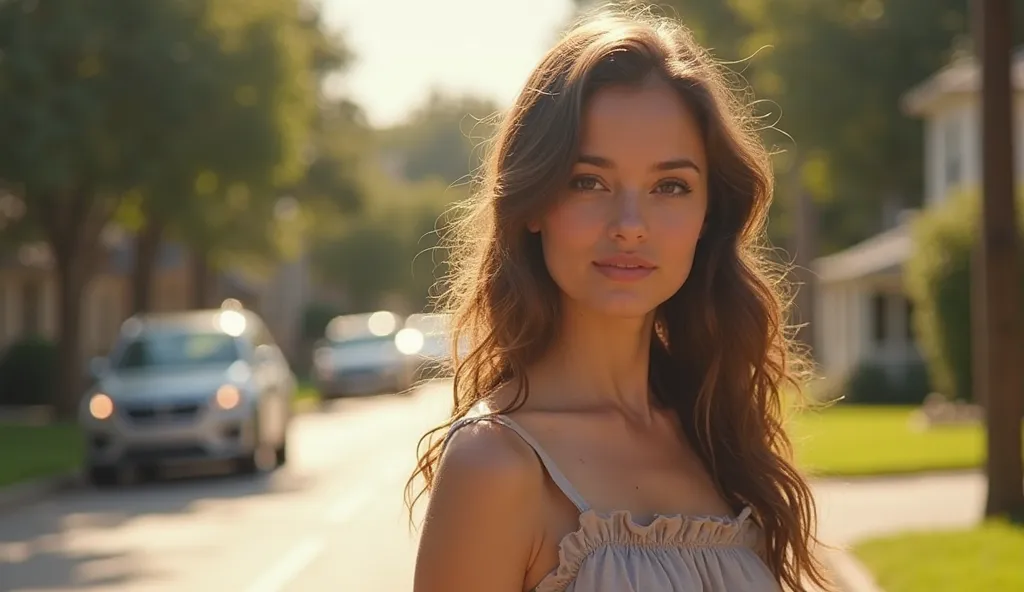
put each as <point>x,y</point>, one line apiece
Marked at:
<point>879,318</point>
<point>31,308</point>
<point>953,149</point>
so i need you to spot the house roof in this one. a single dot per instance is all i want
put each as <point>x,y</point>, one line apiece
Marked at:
<point>885,252</point>
<point>962,76</point>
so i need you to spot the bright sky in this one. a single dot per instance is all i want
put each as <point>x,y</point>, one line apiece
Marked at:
<point>404,48</point>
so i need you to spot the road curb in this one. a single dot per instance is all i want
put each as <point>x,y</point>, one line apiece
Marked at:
<point>850,574</point>
<point>20,494</point>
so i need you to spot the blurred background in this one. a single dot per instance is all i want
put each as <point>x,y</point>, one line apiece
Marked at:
<point>219,226</point>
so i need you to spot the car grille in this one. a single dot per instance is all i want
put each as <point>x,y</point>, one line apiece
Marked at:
<point>162,413</point>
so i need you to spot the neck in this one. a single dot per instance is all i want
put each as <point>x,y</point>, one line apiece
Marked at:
<point>598,362</point>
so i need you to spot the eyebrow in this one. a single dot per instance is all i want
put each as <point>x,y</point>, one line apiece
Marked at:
<point>668,165</point>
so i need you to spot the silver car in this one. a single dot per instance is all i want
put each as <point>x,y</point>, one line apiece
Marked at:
<point>363,354</point>
<point>200,385</point>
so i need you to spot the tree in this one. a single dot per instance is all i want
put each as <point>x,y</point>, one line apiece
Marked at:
<point>96,100</point>
<point>390,251</point>
<point>997,317</point>
<point>444,138</point>
<point>264,62</point>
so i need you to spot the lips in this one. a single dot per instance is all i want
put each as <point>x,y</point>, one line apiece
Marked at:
<point>625,262</point>
<point>624,268</point>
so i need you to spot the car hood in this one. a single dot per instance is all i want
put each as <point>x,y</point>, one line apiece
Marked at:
<point>161,384</point>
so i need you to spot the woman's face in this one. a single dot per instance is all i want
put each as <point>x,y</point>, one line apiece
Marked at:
<point>620,238</point>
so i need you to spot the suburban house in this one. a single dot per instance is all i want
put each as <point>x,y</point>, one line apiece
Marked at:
<point>861,309</point>
<point>29,299</point>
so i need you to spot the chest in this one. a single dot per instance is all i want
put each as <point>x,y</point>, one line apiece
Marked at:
<point>648,474</point>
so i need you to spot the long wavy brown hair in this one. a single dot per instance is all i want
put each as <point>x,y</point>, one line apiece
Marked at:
<point>722,355</point>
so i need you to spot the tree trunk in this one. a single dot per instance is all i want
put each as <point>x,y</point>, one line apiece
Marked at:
<point>147,247</point>
<point>202,279</point>
<point>72,274</point>
<point>803,247</point>
<point>805,250</point>
<point>999,375</point>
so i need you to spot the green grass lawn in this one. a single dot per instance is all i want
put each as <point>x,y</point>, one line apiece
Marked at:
<point>987,557</point>
<point>306,398</point>
<point>871,440</point>
<point>31,452</point>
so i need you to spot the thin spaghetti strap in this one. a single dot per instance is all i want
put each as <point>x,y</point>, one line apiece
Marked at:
<point>559,478</point>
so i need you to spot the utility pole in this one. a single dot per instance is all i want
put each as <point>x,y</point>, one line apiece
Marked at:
<point>998,370</point>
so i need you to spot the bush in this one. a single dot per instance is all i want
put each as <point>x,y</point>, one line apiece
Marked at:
<point>315,318</point>
<point>938,280</point>
<point>872,384</point>
<point>28,371</point>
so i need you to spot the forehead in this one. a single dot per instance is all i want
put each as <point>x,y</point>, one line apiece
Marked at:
<point>650,123</point>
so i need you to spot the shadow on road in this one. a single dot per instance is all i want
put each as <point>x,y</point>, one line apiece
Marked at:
<point>34,549</point>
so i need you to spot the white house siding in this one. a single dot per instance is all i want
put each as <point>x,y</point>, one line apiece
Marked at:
<point>846,326</point>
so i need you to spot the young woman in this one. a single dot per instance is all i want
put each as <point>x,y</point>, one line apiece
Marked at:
<point>617,422</point>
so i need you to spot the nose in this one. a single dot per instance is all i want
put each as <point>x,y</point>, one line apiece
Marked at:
<point>629,223</point>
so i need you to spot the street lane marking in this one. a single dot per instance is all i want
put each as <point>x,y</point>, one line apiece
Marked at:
<point>289,566</point>
<point>352,502</point>
<point>349,505</point>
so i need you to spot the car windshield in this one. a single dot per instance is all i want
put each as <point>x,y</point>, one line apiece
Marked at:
<point>368,348</point>
<point>173,349</point>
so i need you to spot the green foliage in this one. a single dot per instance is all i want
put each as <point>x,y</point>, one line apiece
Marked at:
<point>248,139</point>
<point>87,111</point>
<point>872,384</point>
<point>938,281</point>
<point>197,110</point>
<point>390,250</point>
<point>444,139</point>
<point>27,371</point>
<point>315,319</point>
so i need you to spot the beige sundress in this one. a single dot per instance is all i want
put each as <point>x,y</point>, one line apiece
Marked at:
<point>611,552</point>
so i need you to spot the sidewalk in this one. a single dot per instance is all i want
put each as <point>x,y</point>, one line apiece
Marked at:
<point>851,510</point>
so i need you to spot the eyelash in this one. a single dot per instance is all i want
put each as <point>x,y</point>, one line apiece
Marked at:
<point>683,186</point>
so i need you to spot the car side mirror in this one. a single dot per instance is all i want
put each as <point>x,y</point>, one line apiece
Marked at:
<point>98,366</point>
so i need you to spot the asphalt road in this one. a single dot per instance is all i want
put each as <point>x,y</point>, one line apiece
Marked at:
<point>332,519</point>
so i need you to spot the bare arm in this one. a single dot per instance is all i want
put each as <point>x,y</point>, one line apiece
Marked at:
<point>483,519</point>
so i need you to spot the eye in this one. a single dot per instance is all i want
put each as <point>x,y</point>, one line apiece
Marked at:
<point>673,187</point>
<point>587,183</point>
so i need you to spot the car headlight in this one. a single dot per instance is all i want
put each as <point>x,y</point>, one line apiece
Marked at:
<point>101,406</point>
<point>227,397</point>
<point>409,341</point>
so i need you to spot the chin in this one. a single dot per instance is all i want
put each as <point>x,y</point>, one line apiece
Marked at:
<point>623,306</point>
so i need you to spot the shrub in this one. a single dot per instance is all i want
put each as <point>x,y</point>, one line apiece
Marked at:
<point>872,384</point>
<point>28,372</point>
<point>938,281</point>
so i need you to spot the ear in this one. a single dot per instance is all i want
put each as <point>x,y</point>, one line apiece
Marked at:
<point>533,226</point>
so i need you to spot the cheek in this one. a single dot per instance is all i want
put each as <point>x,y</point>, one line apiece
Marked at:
<point>570,230</point>
<point>678,232</point>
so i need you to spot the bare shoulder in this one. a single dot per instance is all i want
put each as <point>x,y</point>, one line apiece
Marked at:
<point>483,519</point>
<point>483,450</point>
